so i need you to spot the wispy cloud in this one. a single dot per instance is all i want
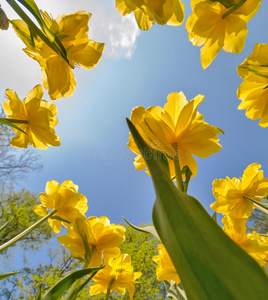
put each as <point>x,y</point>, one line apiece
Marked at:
<point>123,36</point>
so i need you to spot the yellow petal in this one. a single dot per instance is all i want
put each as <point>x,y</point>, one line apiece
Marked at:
<point>178,16</point>
<point>87,55</point>
<point>60,79</point>
<point>143,20</point>
<point>235,34</point>
<point>125,7</point>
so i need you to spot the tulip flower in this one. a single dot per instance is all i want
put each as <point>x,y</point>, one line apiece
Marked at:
<point>165,269</point>
<point>102,238</point>
<point>216,27</point>
<point>253,243</point>
<point>34,116</point>
<point>71,30</point>
<point>117,276</point>
<point>253,91</point>
<point>176,130</point>
<point>231,194</point>
<point>65,200</point>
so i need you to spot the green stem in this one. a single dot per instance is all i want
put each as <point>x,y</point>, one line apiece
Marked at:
<point>25,232</point>
<point>32,25</point>
<point>177,168</point>
<point>233,8</point>
<point>108,294</point>
<point>16,121</point>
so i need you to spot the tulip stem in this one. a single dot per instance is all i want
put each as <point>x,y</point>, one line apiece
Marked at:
<point>233,8</point>
<point>16,121</point>
<point>25,232</point>
<point>177,168</point>
<point>108,294</point>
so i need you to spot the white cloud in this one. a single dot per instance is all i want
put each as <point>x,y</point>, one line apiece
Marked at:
<point>123,36</point>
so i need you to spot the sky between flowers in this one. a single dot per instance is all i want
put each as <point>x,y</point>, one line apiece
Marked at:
<point>137,68</point>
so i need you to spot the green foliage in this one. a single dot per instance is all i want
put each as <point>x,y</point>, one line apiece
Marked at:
<point>18,206</point>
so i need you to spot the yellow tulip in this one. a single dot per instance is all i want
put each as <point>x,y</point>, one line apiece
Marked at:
<point>165,269</point>
<point>117,276</point>
<point>176,129</point>
<point>230,193</point>
<point>39,117</point>
<point>103,239</point>
<point>57,75</point>
<point>147,12</point>
<point>253,243</point>
<point>65,200</point>
<point>253,91</point>
<point>212,27</point>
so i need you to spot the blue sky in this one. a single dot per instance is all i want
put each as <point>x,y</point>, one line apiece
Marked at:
<point>137,68</point>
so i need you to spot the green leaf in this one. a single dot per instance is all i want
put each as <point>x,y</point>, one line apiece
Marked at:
<point>33,8</point>
<point>75,293</point>
<point>208,262</point>
<point>175,292</point>
<point>62,286</point>
<point>6,275</point>
<point>5,225</point>
<point>6,122</point>
<point>146,229</point>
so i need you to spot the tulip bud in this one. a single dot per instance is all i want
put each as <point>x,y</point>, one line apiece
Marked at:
<point>3,20</point>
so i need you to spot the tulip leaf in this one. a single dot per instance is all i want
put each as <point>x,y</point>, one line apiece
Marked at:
<point>6,122</point>
<point>75,293</point>
<point>175,293</point>
<point>46,35</point>
<point>33,8</point>
<point>208,262</point>
<point>6,275</point>
<point>146,229</point>
<point>62,286</point>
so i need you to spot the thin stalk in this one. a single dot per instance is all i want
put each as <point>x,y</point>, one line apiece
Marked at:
<point>233,9</point>
<point>32,25</point>
<point>177,168</point>
<point>108,294</point>
<point>16,121</point>
<point>25,232</point>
